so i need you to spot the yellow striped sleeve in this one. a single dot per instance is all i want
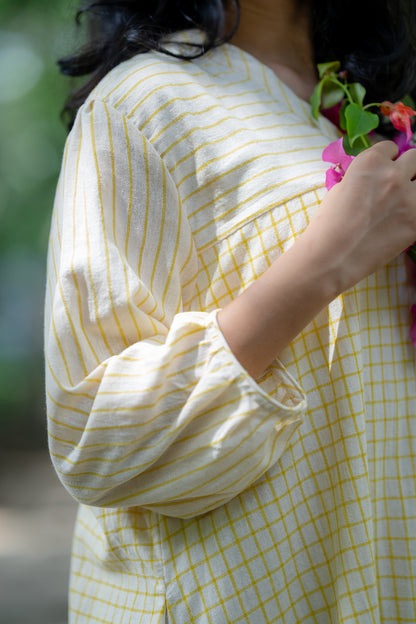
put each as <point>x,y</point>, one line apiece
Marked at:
<point>147,405</point>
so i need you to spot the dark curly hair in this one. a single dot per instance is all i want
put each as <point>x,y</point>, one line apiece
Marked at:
<point>375,40</point>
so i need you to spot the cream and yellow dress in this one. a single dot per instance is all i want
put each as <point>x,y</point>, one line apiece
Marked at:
<point>206,496</point>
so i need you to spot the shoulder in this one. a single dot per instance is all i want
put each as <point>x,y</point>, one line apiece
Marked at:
<point>166,97</point>
<point>154,82</point>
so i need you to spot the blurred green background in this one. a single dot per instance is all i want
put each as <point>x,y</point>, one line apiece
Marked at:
<point>33,34</point>
<point>36,514</point>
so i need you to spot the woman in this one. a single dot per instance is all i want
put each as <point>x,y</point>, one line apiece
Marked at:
<point>231,386</point>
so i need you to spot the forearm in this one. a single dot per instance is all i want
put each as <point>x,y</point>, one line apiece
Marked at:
<point>363,223</point>
<point>266,317</point>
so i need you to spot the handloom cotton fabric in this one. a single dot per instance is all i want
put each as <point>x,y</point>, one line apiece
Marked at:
<point>207,496</point>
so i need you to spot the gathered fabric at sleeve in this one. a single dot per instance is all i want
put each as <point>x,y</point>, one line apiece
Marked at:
<point>147,405</point>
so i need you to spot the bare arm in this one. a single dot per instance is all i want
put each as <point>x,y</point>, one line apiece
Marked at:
<point>363,223</point>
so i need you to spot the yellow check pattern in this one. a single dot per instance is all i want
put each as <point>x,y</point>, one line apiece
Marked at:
<point>206,496</point>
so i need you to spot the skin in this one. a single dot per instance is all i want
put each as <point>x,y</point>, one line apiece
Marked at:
<point>363,223</point>
<point>277,32</point>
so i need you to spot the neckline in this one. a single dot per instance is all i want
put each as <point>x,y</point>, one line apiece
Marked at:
<point>279,88</point>
<point>261,74</point>
<point>196,36</point>
<point>267,69</point>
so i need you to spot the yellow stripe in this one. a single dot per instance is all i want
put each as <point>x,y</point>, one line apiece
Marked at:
<point>146,218</point>
<point>201,484</point>
<point>77,288</point>
<point>103,222</point>
<point>161,236</point>
<point>62,388</point>
<point>61,349</point>
<point>227,233</point>
<point>240,147</point>
<point>248,181</point>
<point>174,86</point>
<point>185,136</point>
<point>224,138</point>
<point>93,289</point>
<point>119,83</point>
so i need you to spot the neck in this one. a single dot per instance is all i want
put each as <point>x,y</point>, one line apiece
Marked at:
<point>278,33</point>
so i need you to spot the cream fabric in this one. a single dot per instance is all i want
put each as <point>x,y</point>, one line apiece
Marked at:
<point>204,493</point>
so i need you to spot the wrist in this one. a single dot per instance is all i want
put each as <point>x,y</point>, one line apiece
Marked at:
<point>319,269</point>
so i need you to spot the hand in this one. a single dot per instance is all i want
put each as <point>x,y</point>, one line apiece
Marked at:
<point>368,218</point>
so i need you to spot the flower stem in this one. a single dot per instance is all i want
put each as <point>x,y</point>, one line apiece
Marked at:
<point>344,88</point>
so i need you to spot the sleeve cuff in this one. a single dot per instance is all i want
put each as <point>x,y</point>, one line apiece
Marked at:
<point>276,387</point>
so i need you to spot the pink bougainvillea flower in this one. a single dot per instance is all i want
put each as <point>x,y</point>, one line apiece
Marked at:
<point>336,154</point>
<point>332,177</point>
<point>403,143</point>
<point>399,116</point>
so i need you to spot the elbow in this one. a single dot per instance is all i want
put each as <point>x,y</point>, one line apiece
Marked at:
<point>81,477</point>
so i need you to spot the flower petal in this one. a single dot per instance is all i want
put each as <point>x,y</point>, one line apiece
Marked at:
<point>401,121</point>
<point>333,152</point>
<point>399,115</point>
<point>403,143</point>
<point>406,110</point>
<point>332,177</point>
<point>387,108</point>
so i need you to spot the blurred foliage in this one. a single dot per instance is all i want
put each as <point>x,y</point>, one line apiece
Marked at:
<point>33,34</point>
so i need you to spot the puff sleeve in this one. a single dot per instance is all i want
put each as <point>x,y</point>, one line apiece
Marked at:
<point>147,405</point>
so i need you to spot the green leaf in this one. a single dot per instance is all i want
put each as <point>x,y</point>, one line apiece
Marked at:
<point>409,101</point>
<point>411,252</point>
<point>347,146</point>
<point>332,94</point>
<point>359,122</point>
<point>316,99</point>
<point>328,68</point>
<point>326,94</point>
<point>342,119</point>
<point>357,92</point>
<point>360,145</point>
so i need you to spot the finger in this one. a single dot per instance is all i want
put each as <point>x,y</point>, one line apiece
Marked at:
<point>388,148</point>
<point>407,163</point>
